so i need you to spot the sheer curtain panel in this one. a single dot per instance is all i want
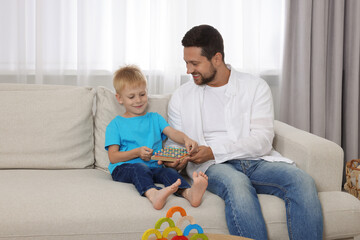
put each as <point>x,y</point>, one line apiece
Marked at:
<point>82,42</point>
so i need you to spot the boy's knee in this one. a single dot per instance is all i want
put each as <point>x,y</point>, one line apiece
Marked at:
<point>140,167</point>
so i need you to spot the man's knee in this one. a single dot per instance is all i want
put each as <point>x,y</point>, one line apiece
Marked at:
<point>303,190</point>
<point>304,181</point>
<point>231,185</point>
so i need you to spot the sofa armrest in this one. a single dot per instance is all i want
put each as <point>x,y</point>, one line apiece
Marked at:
<point>320,158</point>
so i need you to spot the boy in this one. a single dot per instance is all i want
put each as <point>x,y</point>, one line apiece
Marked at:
<point>132,138</point>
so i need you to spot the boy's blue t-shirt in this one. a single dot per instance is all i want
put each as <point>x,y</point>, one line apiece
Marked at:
<point>131,133</point>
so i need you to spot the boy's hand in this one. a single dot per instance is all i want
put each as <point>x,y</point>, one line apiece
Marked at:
<point>191,146</point>
<point>145,153</point>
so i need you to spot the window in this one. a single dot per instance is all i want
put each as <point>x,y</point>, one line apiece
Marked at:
<point>82,42</point>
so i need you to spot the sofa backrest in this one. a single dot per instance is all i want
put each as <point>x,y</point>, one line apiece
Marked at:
<point>46,126</point>
<point>53,126</point>
<point>107,108</point>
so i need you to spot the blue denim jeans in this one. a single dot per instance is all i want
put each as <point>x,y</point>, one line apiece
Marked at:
<point>144,178</point>
<point>238,182</point>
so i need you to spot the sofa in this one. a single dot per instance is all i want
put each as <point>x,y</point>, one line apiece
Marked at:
<point>54,182</point>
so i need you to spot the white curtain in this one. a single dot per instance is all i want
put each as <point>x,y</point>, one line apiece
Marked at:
<point>82,42</point>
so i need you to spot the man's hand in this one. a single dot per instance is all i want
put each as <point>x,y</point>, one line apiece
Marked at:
<point>203,154</point>
<point>145,153</point>
<point>191,145</point>
<point>178,164</point>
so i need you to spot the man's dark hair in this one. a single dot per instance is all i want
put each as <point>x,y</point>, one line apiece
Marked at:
<point>207,38</point>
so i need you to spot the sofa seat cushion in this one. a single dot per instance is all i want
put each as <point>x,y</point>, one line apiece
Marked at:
<point>85,204</point>
<point>88,204</point>
<point>341,212</point>
<point>46,127</point>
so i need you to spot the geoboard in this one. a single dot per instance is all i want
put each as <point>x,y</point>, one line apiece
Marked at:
<point>170,154</point>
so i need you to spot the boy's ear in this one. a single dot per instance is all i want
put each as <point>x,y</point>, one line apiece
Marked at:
<point>119,98</point>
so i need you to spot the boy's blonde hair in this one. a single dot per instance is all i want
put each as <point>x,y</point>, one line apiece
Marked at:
<point>128,76</point>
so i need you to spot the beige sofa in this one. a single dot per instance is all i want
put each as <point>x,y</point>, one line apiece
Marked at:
<point>54,182</point>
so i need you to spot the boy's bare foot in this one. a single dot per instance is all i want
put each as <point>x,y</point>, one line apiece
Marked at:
<point>158,197</point>
<point>197,190</point>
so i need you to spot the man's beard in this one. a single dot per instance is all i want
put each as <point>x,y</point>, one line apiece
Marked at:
<point>207,79</point>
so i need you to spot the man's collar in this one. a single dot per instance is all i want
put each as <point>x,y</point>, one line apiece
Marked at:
<point>231,89</point>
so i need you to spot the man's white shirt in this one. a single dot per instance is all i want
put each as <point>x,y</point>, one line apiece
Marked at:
<point>238,126</point>
<point>213,115</point>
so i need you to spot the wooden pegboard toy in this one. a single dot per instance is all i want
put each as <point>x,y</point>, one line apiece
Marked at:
<point>170,154</point>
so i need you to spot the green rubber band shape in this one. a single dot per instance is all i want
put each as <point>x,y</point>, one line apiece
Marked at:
<point>199,235</point>
<point>162,220</point>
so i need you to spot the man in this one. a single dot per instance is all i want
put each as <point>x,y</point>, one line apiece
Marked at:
<point>230,114</point>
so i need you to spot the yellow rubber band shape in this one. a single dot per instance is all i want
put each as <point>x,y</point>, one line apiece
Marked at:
<point>148,232</point>
<point>172,229</point>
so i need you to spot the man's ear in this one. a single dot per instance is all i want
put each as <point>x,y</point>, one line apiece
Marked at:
<point>217,59</point>
<point>119,98</point>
